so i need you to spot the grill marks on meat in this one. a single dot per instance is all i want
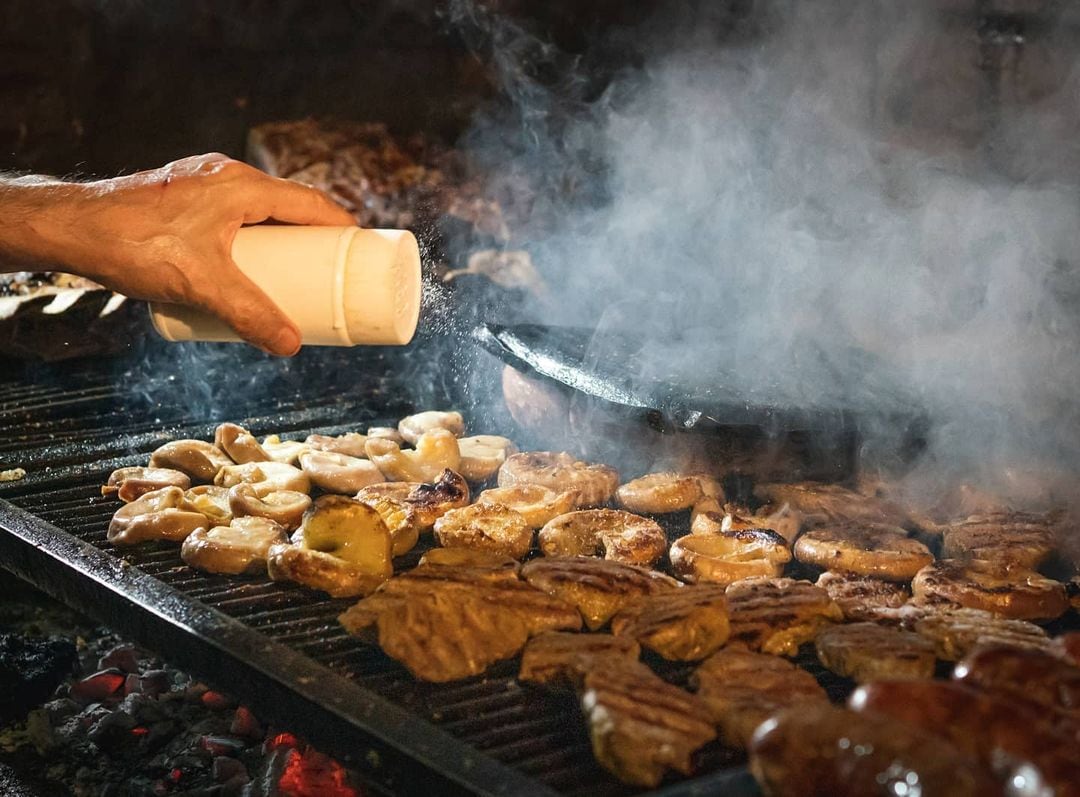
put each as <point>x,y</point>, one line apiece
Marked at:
<point>869,652</point>
<point>681,625</point>
<point>445,623</point>
<point>832,752</point>
<point>959,631</point>
<point>599,588</point>
<point>742,689</point>
<point>867,549</point>
<point>560,658</point>
<point>1007,591</point>
<point>776,615</point>
<point>1013,538</point>
<point>1002,734</point>
<point>640,725</point>
<point>861,598</point>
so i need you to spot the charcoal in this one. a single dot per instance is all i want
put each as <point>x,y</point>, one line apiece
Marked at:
<point>112,730</point>
<point>225,769</point>
<point>103,685</point>
<point>122,657</point>
<point>155,682</point>
<point>30,669</point>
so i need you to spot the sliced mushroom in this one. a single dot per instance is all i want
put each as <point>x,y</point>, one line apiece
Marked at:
<point>401,519</point>
<point>415,426</point>
<point>127,484</point>
<point>350,444</point>
<point>241,547</point>
<point>284,507</point>
<point>339,473</point>
<point>211,501</point>
<point>197,458</point>
<point>265,477</point>
<point>287,451</point>
<point>435,452</point>
<point>482,455</point>
<point>158,515</point>
<point>385,433</point>
<point>239,443</point>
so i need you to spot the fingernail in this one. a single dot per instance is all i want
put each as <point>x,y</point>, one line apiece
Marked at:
<point>287,342</point>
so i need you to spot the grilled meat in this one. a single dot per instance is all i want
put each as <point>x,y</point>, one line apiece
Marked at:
<point>619,536</point>
<point>444,623</point>
<point>866,549</point>
<point>597,587</point>
<point>776,615</point>
<point>823,751</point>
<point>561,658</point>
<point>658,493</point>
<point>487,526</point>
<point>640,725</point>
<point>487,562</point>
<point>1012,592</point>
<point>681,625</point>
<point>727,556</point>
<point>1011,538</point>
<point>956,632</point>
<point>871,652</point>
<point>1042,678</point>
<point>127,484</point>
<point>861,598</point>
<point>1007,737</point>
<point>742,689</point>
<point>559,471</point>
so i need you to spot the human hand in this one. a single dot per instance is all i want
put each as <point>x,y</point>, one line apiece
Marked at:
<point>166,234</point>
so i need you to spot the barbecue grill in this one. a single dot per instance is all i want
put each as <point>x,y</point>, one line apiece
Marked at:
<point>278,647</point>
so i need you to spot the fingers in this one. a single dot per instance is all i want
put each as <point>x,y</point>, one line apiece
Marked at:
<point>293,203</point>
<point>241,304</point>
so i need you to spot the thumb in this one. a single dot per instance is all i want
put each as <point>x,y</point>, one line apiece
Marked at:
<point>252,314</point>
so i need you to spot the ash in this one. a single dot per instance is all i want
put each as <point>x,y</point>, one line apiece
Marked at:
<point>123,723</point>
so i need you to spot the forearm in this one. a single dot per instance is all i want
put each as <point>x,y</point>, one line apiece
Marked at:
<point>35,220</point>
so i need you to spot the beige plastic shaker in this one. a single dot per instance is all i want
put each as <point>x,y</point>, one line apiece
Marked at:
<point>342,286</point>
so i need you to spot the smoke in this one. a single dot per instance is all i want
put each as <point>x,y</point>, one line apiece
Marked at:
<point>832,175</point>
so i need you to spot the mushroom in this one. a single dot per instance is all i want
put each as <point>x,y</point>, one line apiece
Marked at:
<point>401,520</point>
<point>435,452</point>
<point>241,547</point>
<point>284,507</point>
<point>239,443</point>
<point>482,455</point>
<point>659,493</point>
<point>385,433</point>
<point>287,451</point>
<point>351,444</point>
<point>536,504</point>
<point>211,501</point>
<point>197,458</point>
<point>158,515</point>
<point>559,471</point>
<point>414,426</point>
<point>339,473</point>
<point>488,527</point>
<point>127,484</point>
<point>265,477</point>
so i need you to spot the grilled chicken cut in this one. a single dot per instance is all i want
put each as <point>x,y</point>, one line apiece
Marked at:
<point>1007,737</point>
<point>742,689</point>
<point>1012,592</point>
<point>823,751</point>
<point>640,725</point>
<point>445,623</point>
<point>776,615</point>
<point>127,484</point>
<point>871,652</point>
<point>956,632</point>
<point>681,625</point>
<point>820,503</point>
<point>594,484</point>
<point>1011,538</point>
<point>240,547</point>
<point>563,659</point>
<point>861,598</point>
<point>724,557</point>
<point>1041,678</point>
<point>599,588</point>
<point>619,536</point>
<point>866,549</point>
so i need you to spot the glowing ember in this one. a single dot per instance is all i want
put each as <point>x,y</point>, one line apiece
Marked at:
<point>311,774</point>
<point>282,740</point>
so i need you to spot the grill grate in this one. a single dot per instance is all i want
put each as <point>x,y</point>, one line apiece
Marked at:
<point>484,735</point>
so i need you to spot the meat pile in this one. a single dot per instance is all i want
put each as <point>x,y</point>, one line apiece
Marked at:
<point>562,562</point>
